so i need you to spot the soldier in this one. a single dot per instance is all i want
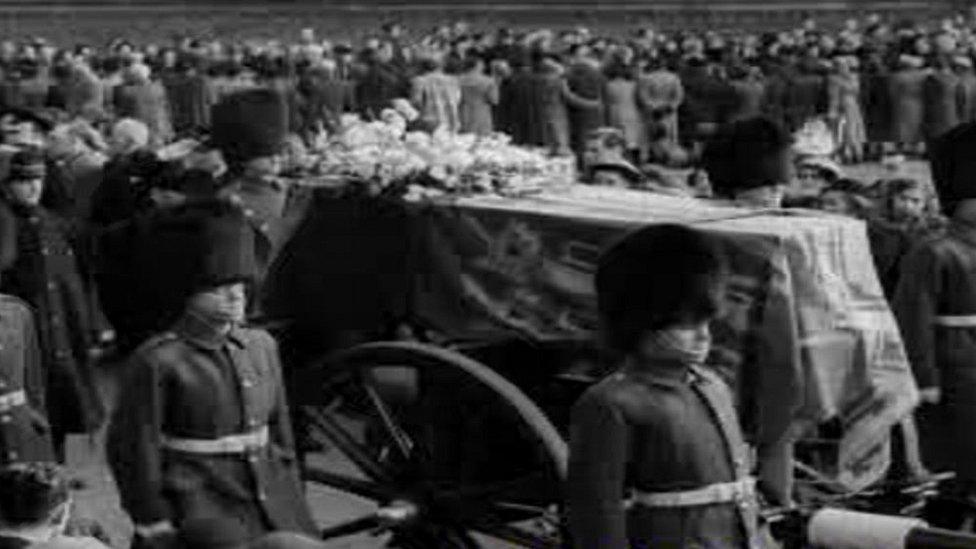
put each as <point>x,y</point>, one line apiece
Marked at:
<point>251,128</point>
<point>750,162</point>
<point>202,430</point>
<point>656,455</point>
<point>45,274</point>
<point>935,303</point>
<point>24,431</point>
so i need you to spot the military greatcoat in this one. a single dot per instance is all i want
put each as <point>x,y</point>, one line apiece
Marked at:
<point>24,431</point>
<point>653,432</point>
<point>195,383</point>
<point>935,304</point>
<point>45,275</point>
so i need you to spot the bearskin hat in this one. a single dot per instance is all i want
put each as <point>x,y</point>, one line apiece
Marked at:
<point>656,277</point>
<point>953,165</point>
<point>194,247</point>
<point>737,157</point>
<point>250,124</point>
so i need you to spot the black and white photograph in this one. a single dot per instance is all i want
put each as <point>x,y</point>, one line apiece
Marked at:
<point>456,274</point>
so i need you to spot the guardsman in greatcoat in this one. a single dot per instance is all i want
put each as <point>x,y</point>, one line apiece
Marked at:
<point>656,455</point>
<point>25,434</point>
<point>251,129</point>
<point>46,275</point>
<point>935,304</point>
<point>202,430</point>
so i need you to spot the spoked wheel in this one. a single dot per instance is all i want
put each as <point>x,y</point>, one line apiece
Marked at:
<point>438,450</point>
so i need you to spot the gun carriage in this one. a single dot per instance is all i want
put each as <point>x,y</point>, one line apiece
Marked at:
<point>458,435</point>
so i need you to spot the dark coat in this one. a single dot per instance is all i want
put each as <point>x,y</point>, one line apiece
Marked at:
<point>8,237</point>
<point>378,86</point>
<point>937,281</point>
<point>745,99</point>
<point>776,93</point>
<point>190,98</point>
<point>516,109</point>
<point>589,84</point>
<point>806,99</point>
<point>967,103</point>
<point>24,431</point>
<point>943,97</point>
<point>194,383</point>
<point>641,430</point>
<point>906,88</point>
<point>325,100</point>
<point>46,275</point>
<point>877,107</point>
<point>703,102</point>
<point>890,243</point>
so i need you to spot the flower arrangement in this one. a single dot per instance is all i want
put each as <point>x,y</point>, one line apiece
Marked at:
<point>382,157</point>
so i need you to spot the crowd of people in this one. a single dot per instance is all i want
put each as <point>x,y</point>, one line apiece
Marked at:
<point>145,192</point>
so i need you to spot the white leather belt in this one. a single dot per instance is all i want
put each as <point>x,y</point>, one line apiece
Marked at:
<point>956,321</point>
<point>233,444</point>
<point>11,400</point>
<point>725,492</point>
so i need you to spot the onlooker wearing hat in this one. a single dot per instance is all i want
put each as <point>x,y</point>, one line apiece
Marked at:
<point>202,430</point>
<point>143,99</point>
<point>750,162</point>
<point>35,509</point>
<point>46,276</point>
<point>935,304</point>
<point>656,455</point>
<point>942,99</point>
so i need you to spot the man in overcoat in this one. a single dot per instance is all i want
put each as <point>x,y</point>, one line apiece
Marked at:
<point>202,430</point>
<point>46,275</point>
<point>935,304</point>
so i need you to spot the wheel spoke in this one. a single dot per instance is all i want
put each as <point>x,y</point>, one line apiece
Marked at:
<point>355,526</point>
<point>502,488</point>
<point>347,444</point>
<point>511,534</point>
<point>361,488</point>
<point>398,435</point>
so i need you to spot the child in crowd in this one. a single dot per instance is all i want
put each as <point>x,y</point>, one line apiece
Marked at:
<point>906,216</point>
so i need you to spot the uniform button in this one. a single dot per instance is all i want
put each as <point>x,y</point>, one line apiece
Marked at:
<point>252,458</point>
<point>262,496</point>
<point>12,456</point>
<point>45,251</point>
<point>263,227</point>
<point>5,419</point>
<point>249,212</point>
<point>253,422</point>
<point>247,383</point>
<point>51,286</point>
<point>2,384</point>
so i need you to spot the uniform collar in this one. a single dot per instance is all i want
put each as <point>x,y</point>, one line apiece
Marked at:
<point>203,334</point>
<point>668,375</point>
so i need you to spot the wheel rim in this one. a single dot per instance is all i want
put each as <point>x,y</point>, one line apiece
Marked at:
<point>413,421</point>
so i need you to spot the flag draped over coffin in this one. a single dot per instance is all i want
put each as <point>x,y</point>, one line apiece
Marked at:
<point>807,336</point>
